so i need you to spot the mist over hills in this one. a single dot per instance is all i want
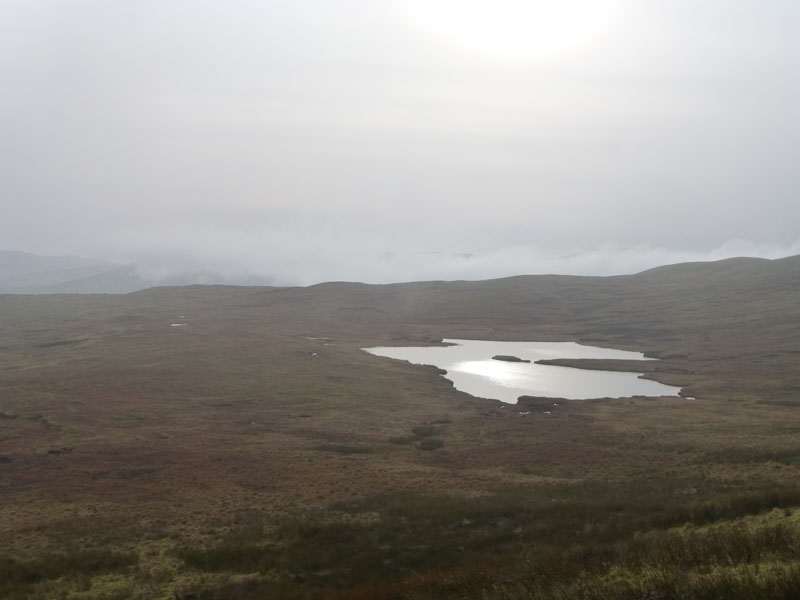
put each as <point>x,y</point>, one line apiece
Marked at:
<point>21,272</point>
<point>26,273</point>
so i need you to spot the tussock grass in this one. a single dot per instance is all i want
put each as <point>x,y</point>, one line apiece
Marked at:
<point>17,577</point>
<point>540,544</point>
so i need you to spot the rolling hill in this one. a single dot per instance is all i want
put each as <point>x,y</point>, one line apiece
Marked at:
<point>256,451</point>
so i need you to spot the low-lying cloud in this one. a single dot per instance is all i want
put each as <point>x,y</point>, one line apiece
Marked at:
<point>313,141</point>
<point>276,257</point>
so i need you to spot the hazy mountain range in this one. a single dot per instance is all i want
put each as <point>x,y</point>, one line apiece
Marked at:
<point>25,273</point>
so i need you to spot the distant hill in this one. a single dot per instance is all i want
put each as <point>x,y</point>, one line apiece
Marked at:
<point>729,327</point>
<point>25,273</point>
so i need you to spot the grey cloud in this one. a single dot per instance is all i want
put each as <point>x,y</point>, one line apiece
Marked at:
<point>317,140</point>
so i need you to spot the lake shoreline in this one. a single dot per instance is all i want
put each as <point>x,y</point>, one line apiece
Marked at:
<point>508,370</point>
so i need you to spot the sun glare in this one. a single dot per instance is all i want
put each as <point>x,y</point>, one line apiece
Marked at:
<point>514,28</point>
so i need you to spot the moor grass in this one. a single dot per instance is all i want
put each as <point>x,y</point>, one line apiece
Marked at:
<point>257,452</point>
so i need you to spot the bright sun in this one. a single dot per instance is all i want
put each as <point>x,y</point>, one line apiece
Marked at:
<point>514,28</point>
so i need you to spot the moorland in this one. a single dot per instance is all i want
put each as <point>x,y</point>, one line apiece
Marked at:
<point>210,442</point>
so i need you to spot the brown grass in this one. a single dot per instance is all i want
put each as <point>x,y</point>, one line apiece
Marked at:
<point>259,451</point>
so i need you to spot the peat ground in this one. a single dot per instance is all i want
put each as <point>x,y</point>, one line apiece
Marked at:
<point>257,452</point>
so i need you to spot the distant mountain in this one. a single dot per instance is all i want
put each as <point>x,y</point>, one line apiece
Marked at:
<point>25,273</point>
<point>117,280</point>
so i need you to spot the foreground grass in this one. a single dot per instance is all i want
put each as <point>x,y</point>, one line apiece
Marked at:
<point>599,540</point>
<point>21,578</point>
<point>579,543</point>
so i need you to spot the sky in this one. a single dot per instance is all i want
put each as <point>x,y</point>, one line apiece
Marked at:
<point>400,140</point>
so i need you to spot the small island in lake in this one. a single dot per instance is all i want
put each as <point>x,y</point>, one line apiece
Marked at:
<point>509,358</point>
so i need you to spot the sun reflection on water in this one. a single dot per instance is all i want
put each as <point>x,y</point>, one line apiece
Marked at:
<point>510,375</point>
<point>469,367</point>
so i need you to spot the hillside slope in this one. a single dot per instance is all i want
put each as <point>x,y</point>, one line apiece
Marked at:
<point>256,451</point>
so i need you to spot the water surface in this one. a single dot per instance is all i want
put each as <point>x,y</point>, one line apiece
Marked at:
<point>470,367</point>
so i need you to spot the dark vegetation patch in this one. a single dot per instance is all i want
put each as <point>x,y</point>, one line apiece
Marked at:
<point>788,456</point>
<point>345,448</point>
<point>792,402</point>
<point>541,403</point>
<point>423,435</point>
<point>17,576</point>
<point>402,440</point>
<point>509,358</point>
<point>423,431</point>
<point>608,364</point>
<point>430,444</point>
<point>576,541</point>
<point>57,343</point>
<point>132,473</point>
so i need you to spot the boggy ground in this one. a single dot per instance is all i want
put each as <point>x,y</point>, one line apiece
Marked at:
<point>257,452</point>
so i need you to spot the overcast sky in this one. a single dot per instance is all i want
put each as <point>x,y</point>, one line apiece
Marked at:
<point>394,140</point>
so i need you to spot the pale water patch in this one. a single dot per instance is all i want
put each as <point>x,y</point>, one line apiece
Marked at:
<point>470,367</point>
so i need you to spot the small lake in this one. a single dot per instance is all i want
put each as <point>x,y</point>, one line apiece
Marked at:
<point>471,368</point>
